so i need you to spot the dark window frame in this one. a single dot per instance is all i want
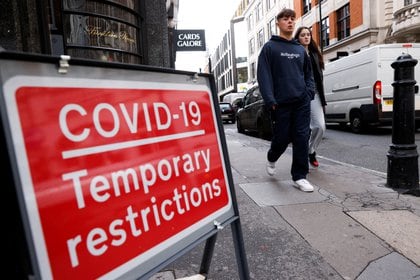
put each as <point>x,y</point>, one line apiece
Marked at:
<point>306,6</point>
<point>325,31</point>
<point>271,27</point>
<point>343,22</point>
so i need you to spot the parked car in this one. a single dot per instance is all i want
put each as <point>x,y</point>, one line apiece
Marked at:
<point>230,97</point>
<point>227,112</point>
<point>253,116</point>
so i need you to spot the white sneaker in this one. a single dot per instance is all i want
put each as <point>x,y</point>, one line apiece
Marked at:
<point>270,167</point>
<point>304,185</point>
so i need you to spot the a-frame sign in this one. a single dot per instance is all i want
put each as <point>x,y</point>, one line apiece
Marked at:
<point>119,165</point>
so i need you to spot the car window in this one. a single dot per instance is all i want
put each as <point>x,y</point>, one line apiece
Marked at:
<point>247,99</point>
<point>254,96</point>
<point>225,106</point>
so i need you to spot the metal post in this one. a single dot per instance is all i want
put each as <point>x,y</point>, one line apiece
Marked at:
<point>320,26</point>
<point>402,156</point>
<point>233,44</point>
<point>208,254</point>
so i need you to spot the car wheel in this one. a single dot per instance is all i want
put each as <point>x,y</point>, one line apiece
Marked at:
<point>239,126</point>
<point>357,124</point>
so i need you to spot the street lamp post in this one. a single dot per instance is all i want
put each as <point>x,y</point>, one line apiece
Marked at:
<point>234,68</point>
<point>320,25</point>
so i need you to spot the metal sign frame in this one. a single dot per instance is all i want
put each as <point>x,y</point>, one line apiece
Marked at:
<point>34,86</point>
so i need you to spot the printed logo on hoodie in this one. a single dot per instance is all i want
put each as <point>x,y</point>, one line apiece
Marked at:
<point>290,55</point>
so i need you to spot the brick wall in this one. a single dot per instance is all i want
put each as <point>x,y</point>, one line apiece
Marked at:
<point>333,25</point>
<point>297,4</point>
<point>315,33</point>
<point>356,13</point>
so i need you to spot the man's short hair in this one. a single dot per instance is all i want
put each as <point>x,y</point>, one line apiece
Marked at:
<point>286,13</point>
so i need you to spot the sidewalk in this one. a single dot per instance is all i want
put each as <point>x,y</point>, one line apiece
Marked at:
<point>350,227</point>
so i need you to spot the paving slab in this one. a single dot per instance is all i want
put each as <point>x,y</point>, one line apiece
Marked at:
<point>163,275</point>
<point>399,228</point>
<point>344,244</point>
<point>279,193</point>
<point>344,179</point>
<point>391,267</point>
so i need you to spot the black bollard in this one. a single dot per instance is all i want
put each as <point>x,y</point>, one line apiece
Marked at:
<point>403,174</point>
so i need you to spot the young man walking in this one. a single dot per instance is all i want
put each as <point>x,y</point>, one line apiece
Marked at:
<point>286,83</point>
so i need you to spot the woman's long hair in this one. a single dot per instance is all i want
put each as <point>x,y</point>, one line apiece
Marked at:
<point>313,47</point>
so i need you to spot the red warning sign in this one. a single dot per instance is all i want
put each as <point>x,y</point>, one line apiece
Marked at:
<point>117,175</point>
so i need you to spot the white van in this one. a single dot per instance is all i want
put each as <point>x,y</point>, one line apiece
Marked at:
<point>358,87</point>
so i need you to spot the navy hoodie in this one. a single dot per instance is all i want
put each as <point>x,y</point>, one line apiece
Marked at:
<point>284,72</point>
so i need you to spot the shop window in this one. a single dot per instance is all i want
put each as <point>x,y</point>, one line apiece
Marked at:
<point>107,31</point>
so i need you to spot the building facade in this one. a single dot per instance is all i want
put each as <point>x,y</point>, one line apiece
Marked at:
<point>111,30</point>
<point>260,18</point>
<point>347,26</point>
<point>405,21</point>
<point>228,63</point>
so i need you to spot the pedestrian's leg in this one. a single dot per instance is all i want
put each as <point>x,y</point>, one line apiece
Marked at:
<point>280,119</point>
<point>317,124</point>
<point>300,139</point>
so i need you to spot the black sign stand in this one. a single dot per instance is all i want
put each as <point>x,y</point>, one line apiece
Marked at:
<point>237,236</point>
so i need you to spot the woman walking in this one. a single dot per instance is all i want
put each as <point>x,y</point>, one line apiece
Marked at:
<point>317,125</point>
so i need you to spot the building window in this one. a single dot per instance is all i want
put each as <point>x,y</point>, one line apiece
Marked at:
<point>325,32</point>
<point>222,83</point>
<point>408,2</point>
<point>270,4</point>
<point>343,22</point>
<point>250,22</point>
<point>258,12</point>
<point>306,4</point>
<point>260,38</point>
<point>271,28</point>
<point>251,46</point>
